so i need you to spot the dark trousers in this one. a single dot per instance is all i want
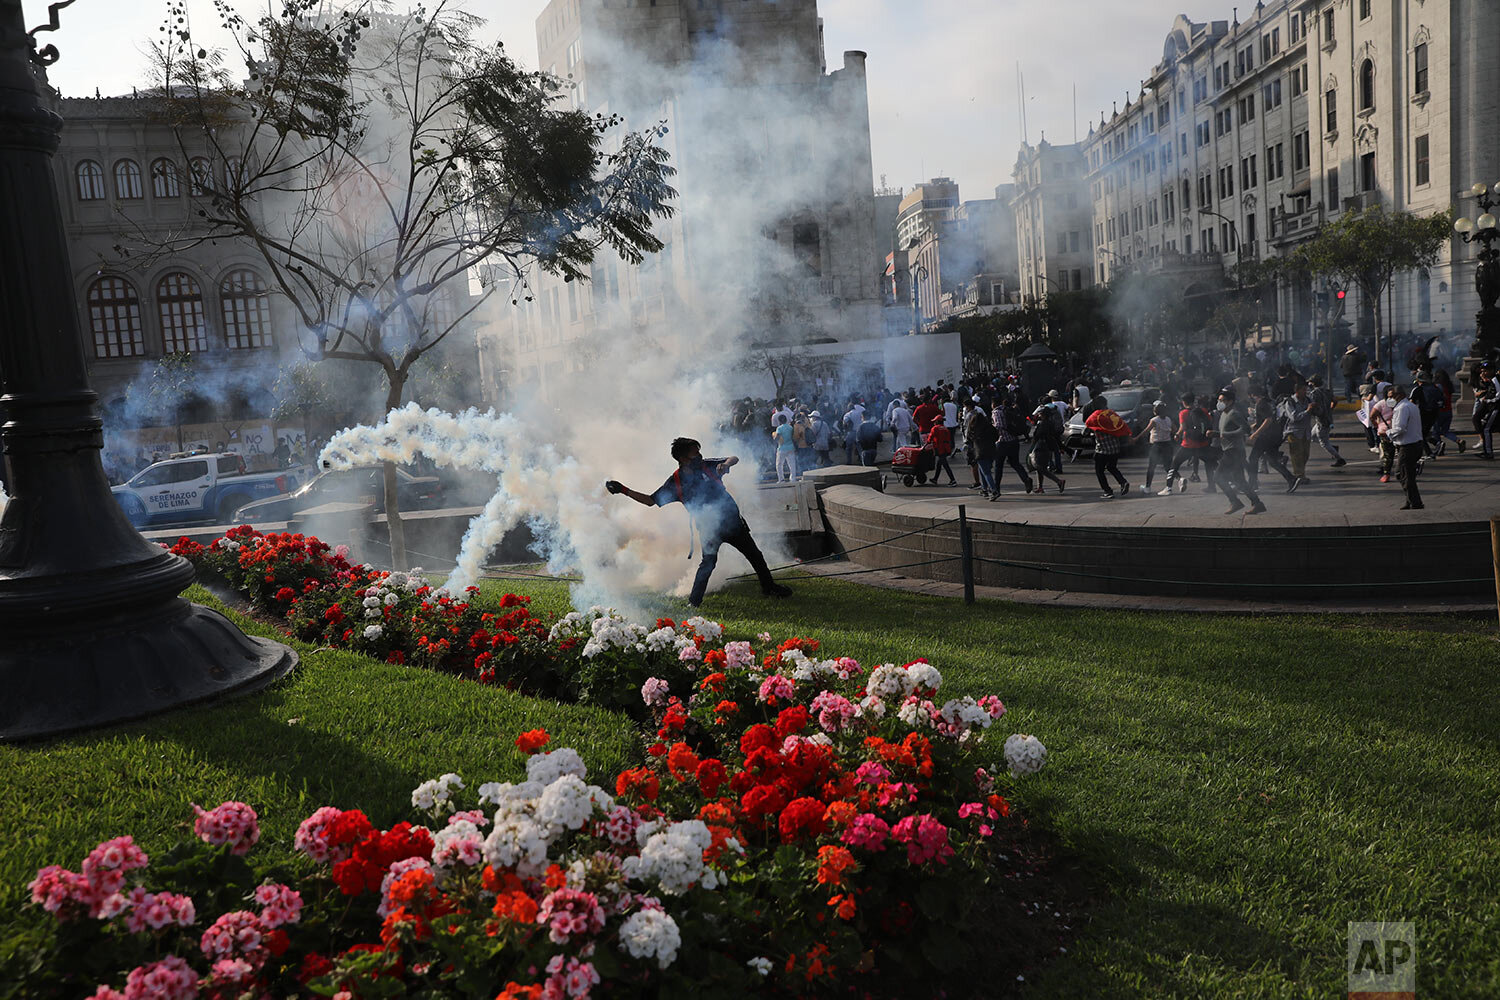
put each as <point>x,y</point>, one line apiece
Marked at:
<point>1160,454</point>
<point>1110,464</point>
<point>1271,452</point>
<point>1209,457</point>
<point>1009,452</point>
<point>943,466</point>
<point>1230,477</point>
<point>739,538</point>
<point>1407,457</point>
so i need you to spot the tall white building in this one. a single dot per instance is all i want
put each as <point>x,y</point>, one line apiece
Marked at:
<point>1053,220</point>
<point>1248,135</point>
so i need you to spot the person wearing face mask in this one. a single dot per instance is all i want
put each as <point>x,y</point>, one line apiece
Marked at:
<point>698,485</point>
<point>1232,431</point>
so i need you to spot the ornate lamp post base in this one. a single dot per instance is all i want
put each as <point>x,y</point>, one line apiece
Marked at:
<point>91,628</point>
<point>131,665</point>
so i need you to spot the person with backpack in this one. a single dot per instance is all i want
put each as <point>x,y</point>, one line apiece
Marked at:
<point>1109,433</point>
<point>1194,430</point>
<point>1442,431</point>
<point>1265,439</point>
<point>698,484</point>
<point>1010,430</point>
<point>979,442</point>
<point>1046,444</point>
<point>821,436</point>
<point>1429,402</point>
<point>1322,425</point>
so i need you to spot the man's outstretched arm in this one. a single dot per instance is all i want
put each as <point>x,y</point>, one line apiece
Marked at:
<point>617,487</point>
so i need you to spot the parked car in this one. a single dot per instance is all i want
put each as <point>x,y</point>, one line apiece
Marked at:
<point>362,483</point>
<point>1132,402</point>
<point>198,488</point>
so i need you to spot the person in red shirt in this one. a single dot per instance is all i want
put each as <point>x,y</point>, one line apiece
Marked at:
<point>927,414</point>
<point>941,442</point>
<point>1195,427</point>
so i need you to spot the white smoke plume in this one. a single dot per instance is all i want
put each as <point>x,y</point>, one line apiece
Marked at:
<point>766,147</point>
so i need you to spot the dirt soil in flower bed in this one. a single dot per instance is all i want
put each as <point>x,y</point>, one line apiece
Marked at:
<point>1034,918</point>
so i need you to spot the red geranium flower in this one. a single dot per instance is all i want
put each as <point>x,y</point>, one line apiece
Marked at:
<point>532,741</point>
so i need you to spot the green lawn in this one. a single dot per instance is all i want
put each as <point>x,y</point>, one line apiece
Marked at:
<point>1236,790</point>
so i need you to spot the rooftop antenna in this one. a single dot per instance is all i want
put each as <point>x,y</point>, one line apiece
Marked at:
<point>1025,132</point>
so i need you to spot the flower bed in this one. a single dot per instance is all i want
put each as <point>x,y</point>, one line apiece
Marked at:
<point>798,826</point>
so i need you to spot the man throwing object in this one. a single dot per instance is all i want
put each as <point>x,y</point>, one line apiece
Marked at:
<point>698,485</point>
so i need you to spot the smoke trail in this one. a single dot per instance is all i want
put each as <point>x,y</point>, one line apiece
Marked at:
<point>619,547</point>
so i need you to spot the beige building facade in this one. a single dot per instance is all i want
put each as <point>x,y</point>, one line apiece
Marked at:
<point>1053,217</point>
<point>1250,134</point>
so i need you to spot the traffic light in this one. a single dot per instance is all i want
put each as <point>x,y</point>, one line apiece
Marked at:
<point>1340,294</point>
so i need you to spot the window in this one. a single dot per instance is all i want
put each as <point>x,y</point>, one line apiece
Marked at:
<point>1364,9</point>
<point>1062,242</point>
<point>164,179</point>
<point>806,247</point>
<point>1168,211</point>
<point>1109,229</point>
<point>1301,151</point>
<point>234,173</point>
<point>127,180</point>
<point>1138,215</point>
<point>179,303</point>
<point>1333,188</point>
<point>1295,30</point>
<point>1424,296</point>
<point>1204,138</point>
<point>1223,122</point>
<point>1271,94</point>
<point>1187,243</point>
<point>1328,26</point>
<point>1367,172</point>
<point>202,176</point>
<point>90,181</point>
<point>1182,143</point>
<point>1250,228</point>
<point>115,319</point>
<point>229,466</point>
<point>1275,165</point>
<point>1187,197</point>
<point>1270,45</point>
<point>1331,111</point>
<point>246,306</point>
<point>573,301</point>
<point>1247,109</point>
<point>1424,162</point>
<point>1077,278</point>
<point>575,53</point>
<point>1419,68</point>
<point>1299,80</point>
<point>1164,113</point>
<point>1367,85</point>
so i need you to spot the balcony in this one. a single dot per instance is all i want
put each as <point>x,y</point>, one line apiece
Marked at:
<point>1363,201</point>
<point>1290,228</point>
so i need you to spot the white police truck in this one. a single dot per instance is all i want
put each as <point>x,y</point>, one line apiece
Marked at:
<point>198,488</point>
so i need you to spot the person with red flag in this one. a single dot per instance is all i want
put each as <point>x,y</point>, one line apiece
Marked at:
<point>1110,433</point>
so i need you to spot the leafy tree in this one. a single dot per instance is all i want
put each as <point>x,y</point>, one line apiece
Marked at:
<point>1079,324</point>
<point>1367,249</point>
<point>301,390</point>
<point>169,389</point>
<point>380,160</point>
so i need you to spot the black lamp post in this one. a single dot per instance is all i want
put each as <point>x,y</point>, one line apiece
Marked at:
<point>1487,274</point>
<point>92,629</point>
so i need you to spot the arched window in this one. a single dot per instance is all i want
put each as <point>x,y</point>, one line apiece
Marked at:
<point>90,181</point>
<point>1367,85</point>
<point>202,175</point>
<point>1424,296</point>
<point>127,180</point>
<point>234,173</point>
<point>115,319</point>
<point>164,182</point>
<point>179,302</point>
<point>247,310</point>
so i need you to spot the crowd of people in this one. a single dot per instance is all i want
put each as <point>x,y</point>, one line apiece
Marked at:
<point>1246,423</point>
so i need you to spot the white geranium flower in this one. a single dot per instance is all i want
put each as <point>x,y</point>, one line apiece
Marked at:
<point>651,934</point>
<point>1025,754</point>
<point>545,768</point>
<point>373,632</point>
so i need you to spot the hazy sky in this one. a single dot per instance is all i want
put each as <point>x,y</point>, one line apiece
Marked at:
<point>942,73</point>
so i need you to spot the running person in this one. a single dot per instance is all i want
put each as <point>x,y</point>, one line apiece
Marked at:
<point>698,485</point>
